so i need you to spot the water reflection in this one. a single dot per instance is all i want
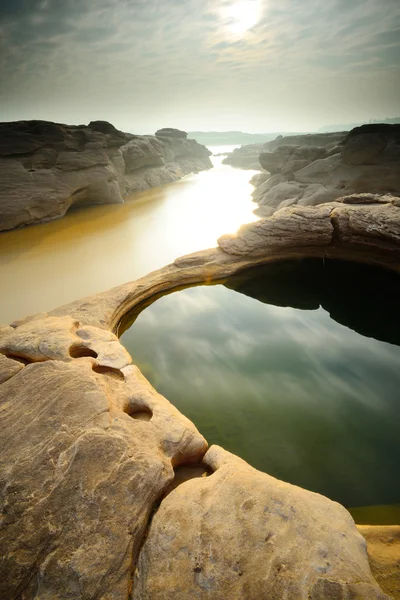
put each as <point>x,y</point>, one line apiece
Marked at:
<point>95,248</point>
<point>293,392</point>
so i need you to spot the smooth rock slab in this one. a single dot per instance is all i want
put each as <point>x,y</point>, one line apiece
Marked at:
<point>241,534</point>
<point>86,451</point>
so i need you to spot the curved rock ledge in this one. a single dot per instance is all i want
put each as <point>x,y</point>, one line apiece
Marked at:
<point>89,450</point>
<point>361,228</point>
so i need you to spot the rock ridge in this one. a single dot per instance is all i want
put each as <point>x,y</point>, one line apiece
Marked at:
<point>45,167</point>
<point>367,160</point>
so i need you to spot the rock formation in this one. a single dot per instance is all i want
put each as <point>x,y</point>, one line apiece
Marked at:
<point>243,534</point>
<point>170,132</point>
<point>366,161</point>
<point>47,167</point>
<point>89,451</point>
<point>326,140</point>
<point>245,157</point>
<point>384,555</point>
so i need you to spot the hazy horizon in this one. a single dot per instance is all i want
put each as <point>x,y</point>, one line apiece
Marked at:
<point>217,65</point>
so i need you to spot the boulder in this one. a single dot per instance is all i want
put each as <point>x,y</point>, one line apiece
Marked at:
<point>243,534</point>
<point>372,145</point>
<point>170,132</point>
<point>289,159</point>
<point>245,157</point>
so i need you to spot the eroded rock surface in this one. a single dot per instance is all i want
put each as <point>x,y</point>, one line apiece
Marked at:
<point>245,157</point>
<point>88,450</point>
<point>47,167</point>
<point>326,140</point>
<point>367,160</point>
<point>243,534</point>
<point>383,542</point>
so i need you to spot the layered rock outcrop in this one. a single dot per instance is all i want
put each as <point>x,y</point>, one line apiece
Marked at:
<point>47,167</point>
<point>326,140</point>
<point>89,449</point>
<point>247,156</point>
<point>366,161</point>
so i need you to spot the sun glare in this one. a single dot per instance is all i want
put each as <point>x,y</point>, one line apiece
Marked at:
<point>242,15</point>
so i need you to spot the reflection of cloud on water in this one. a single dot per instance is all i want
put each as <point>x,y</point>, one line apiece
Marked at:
<point>298,356</point>
<point>291,391</point>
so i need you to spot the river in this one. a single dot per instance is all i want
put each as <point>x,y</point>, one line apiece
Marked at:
<point>92,249</point>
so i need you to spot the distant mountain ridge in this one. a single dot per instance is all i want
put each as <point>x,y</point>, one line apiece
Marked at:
<point>216,138</point>
<point>348,126</point>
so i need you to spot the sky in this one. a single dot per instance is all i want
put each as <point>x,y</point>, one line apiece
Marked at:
<point>250,65</point>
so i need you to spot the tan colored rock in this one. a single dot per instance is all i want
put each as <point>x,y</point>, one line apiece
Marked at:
<point>8,368</point>
<point>383,544</point>
<point>243,534</point>
<point>88,449</point>
<point>85,454</point>
<point>334,230</point>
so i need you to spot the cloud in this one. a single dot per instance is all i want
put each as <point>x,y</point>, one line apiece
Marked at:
<point>153,55</point>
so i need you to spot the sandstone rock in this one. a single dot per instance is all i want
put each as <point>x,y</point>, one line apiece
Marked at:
<point>367,161</point>
<point>289,159</point>
<point>372,144</point>
<point>245,157</point>
<point>243,534</point>
<point>259,178</point>
<point>170,132</point>
<point>8,368</point>
<point>383,544</point>
<point>327,140</point>
<point>88,450</point>
<point>47,167</point>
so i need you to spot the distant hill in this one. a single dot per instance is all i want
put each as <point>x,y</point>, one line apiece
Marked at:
<point>226,138</point>
<point>348,126</point>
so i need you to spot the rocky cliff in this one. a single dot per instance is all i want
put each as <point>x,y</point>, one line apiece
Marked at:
<point>47,167</point>
<point>367,160</point>
<point>108,492</point>
<point>247,157</point>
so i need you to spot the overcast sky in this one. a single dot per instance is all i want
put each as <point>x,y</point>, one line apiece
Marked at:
<point>251,65</point>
